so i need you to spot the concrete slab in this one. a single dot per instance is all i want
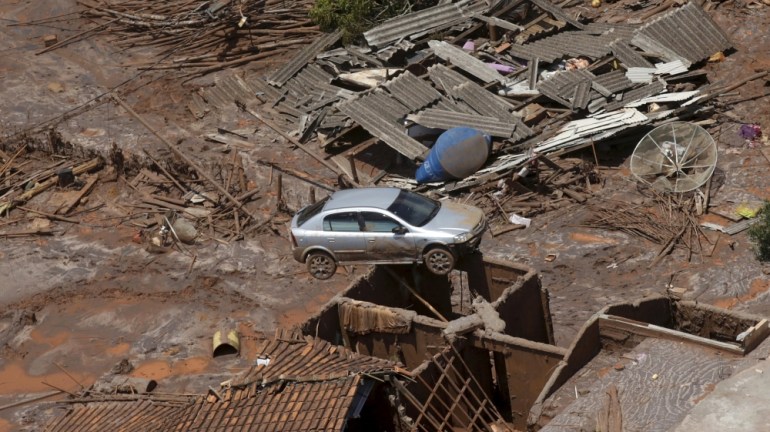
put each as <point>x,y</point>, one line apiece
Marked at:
<point>740,403</point>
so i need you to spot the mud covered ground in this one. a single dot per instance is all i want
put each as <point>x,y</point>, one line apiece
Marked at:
<point>76,303</point>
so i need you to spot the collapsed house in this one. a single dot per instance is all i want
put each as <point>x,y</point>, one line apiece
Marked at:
<point>490,363</point>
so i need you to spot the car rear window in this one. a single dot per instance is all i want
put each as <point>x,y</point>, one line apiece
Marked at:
<point>310,211</point>
<point>415,209</point>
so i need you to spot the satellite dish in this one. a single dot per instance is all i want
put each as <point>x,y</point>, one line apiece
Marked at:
<point>675,157</point>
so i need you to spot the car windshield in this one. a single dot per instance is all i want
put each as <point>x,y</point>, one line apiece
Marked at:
<point>310,211</point>
<point>415,209</point>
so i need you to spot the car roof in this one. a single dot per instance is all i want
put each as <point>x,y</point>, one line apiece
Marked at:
<point>362,197</point>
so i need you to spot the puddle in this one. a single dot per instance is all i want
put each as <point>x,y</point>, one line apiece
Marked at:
<point>14,379</point>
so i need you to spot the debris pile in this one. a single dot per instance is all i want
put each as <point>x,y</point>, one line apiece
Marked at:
<point>671,223</point>
<point>207,36</point>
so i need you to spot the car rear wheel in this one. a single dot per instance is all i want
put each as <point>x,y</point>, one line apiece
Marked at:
<point>439,260</point>
<point>321,265</point>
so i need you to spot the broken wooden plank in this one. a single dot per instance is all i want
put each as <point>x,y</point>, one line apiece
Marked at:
<point>75,200</point>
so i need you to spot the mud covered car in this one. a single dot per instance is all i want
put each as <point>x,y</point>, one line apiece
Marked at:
<point>384,226</point>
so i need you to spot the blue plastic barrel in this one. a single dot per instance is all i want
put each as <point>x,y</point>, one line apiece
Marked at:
<point>458,153</point>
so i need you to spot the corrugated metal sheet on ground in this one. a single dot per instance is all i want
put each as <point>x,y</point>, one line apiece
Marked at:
<point>445,78</point>
<point>564,44</point>
<point>619,30</point>
<point>573,134</point>
<point>487,104</point>
<point>434,118</point>
<point>299,60</point>
<point>627,55</point>
<point>415,22</point>
<point>611,82</point>
<point>686,33</point>
<point>542,26</point>
<point>411,91</point>
<point>675,67</point>
<point>561,86</point>
<point>264,91</point>
<point>369,114</point>
<point>557,12</point>
<point>461,59</point>
<point>636,94</point>
<point>227,89</point>
<point>664,97</point>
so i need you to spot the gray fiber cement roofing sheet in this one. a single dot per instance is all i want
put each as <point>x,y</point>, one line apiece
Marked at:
<point>461,59</point>
<point>367,112</point>
<point>308,53</point>
<point>627,55</point>
<point>688,32</point>
<point>612,82</point>
<point>561,86</point>
<point>557,12</point>
<point>487,104</point>
<point>564,44</point>
<point>415,93</point>
<point>416,22</point>
<point>434,118</point>
<point>445,78</point>
<point>637,94</point>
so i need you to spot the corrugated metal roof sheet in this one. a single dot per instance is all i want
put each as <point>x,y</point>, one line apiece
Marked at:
<point>482,101</point>
<point>686,33</point>
<point>611,82</point>
<point>302,58</point>
<point>664,97</point>
<point>367,112</point>
<point>434,118</point>
<point>557,12</point>
<point>568,43</point>
<point>627,55</point>
<point>411,91</point>
<point>445,78</point>
<point>415,22</point>
<point>465,61</point>
<point>636,94</point>
<point>582,91</point>
<point>561,86</point>
<point>487,104</point>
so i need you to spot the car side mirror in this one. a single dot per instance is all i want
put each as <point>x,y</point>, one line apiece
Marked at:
<point>399,230</point>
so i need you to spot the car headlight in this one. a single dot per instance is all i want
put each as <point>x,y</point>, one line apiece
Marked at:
<point>462,238</point>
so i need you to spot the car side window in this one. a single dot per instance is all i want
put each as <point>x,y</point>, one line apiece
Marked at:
<point>342,222</point>
<point>376,222</point>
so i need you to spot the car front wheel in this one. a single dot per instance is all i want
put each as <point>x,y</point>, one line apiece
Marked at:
<point>439,261</point>
<point>321,265</point>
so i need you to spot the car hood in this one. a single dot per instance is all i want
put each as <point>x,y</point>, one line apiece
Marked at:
<point>455,218</point>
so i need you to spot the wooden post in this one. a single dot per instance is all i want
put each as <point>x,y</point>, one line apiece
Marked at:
<point>311,195</point>
<point>278,189</point>
<point>353,170</point>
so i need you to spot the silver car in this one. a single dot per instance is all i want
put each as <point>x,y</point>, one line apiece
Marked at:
<point>384,226</point>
